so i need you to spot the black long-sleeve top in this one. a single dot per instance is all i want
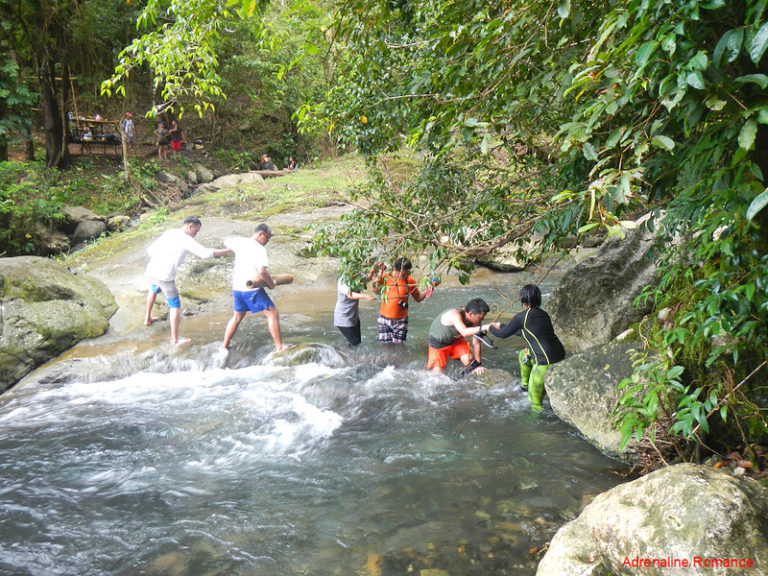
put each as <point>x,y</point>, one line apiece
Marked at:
<point>535,327</point>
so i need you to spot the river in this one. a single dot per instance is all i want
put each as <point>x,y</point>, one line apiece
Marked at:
<point>319,461</point>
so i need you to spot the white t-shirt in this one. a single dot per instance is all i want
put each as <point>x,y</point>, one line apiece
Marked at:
<point>168,252</point>
<point>250,257</point>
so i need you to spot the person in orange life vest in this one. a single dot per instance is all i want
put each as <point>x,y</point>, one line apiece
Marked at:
<point>399,286</point>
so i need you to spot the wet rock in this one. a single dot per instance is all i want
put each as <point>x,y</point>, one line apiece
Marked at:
<point>44,310</point>
<point>203,174</point>
<point>118,223</point>
<point>170,564</point>
<point>687,518</point>
<point>307,354</point>
<point>594,302</point>
<point>88,230</point>
<point>582,391</point>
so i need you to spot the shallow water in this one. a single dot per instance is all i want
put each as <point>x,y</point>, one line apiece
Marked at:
<point>321,461</point>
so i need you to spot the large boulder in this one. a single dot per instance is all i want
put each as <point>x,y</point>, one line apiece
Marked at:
<point>582,391</point>
<point>684,519</point>
<point>594,301</point>
<point>87,231</point>
<point>203,174</point>
<point>74,215</point>
<point>44,310</point>
<point>231,181</point>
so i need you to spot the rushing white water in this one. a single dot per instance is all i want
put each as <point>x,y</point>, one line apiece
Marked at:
<point>307,468</point>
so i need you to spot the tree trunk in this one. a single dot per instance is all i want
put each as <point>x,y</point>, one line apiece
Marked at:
<point>56,150</point>
<point>29,149</point>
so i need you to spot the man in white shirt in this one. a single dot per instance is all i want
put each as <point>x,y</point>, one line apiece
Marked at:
<point>251,262</point>
<point>165,256</point>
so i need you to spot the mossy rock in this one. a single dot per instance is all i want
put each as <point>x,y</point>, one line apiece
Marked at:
<point>45,309</point>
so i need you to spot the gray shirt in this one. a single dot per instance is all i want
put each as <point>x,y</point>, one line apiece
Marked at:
<point>347,311</point>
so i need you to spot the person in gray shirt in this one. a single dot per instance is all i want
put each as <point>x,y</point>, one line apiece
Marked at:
<point>346,315</point>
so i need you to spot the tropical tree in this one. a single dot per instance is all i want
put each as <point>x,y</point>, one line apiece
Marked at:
<point>15,102</point>
<point>550,119</point>
<point>561,118</point>
<point>54,40</point>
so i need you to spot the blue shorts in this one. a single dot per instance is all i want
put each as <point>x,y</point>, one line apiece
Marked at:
<point>252,300</point>
<point>170,292</point>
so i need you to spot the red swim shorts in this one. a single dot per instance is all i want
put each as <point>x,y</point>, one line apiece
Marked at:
<point>438,357</point>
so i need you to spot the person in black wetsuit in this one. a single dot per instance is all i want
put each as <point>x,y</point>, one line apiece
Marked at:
<point>543,347</point>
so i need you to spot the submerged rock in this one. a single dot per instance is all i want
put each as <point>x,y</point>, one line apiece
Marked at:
<point>44,310</point>
<point>684,519</point>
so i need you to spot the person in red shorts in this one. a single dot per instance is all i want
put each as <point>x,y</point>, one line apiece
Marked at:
<point>177,137</point>
<point>448,334</point>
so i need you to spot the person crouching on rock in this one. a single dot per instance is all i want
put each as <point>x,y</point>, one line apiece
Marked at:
<point>448,334</point>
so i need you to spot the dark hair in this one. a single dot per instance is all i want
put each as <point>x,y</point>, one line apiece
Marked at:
<point>192,220</point>
<point>403,264</point>
<point>531,295</point>
<point>477,306</point>
<point>262,228</point>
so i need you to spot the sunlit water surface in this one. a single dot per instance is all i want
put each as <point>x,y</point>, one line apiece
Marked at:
<point>347,462</point>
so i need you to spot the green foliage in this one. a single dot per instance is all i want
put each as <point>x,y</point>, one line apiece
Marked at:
<point>32,197</point>
<point>673,102</point>
<point>268,72</point>
<point>181,48</point>
<point>22,205</point>
<point>646,398</point>
<point>440,205</point>
<point>558,119</point>
<point>15,102</point>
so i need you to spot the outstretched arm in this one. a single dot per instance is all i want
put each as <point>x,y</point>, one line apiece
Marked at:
<point>509,329</point>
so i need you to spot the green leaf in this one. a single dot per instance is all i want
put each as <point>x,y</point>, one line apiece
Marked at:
<point>747,134</point>
<point>662,141</point>
<point>589,151</point>
<point>759,43</point>
<point>757,204</point>
<point>759,79</point>
<point>729,46</point>
<point>699,62</point>
<point>564,9</point>
<point>695,80</point>
<point>644,53</point>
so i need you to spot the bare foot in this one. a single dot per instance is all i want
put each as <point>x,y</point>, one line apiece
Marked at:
<point>182,341</point>
<point>148,322</point>
<point>286,347</point>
